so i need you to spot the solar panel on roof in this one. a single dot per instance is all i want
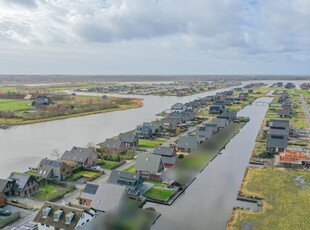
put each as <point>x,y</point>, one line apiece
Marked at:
<point>56,163</point>
<point>48,162</point>
<point>91,188</point>
<point>277,137</point>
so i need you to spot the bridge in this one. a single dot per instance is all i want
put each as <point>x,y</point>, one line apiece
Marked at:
<point>260,103</point>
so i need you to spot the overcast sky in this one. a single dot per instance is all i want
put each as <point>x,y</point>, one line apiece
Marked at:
<point>154,37</point>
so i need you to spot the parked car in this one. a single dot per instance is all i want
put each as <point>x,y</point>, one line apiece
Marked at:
<point>5,212</point>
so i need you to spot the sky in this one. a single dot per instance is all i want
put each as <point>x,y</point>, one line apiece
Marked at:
<point>155,37</point>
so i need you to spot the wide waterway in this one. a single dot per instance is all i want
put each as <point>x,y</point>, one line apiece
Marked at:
<point>209,200</point>
<point>24,146</point>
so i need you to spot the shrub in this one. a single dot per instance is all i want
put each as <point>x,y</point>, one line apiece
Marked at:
<point>181,156</point>
<point>77,169</point>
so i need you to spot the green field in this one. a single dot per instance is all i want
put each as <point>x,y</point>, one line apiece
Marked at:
<point>130,169</point>
<point>158,193</point>
<point>11,104</point>
<point>157,184</point>
<point>302,92</point>
<point>150,144</point>
<point>285,195</point>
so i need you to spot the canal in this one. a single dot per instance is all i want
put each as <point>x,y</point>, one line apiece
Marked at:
<point>209,200</point>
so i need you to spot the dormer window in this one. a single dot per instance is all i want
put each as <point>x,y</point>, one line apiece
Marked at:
<point>58,214</point>
<point>69,217</point>
<point>46,212</point>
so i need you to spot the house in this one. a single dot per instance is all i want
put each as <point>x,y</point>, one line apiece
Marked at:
<point>231,115</point>
<point>186,116</point>
<point>216,109</point>
<point>103,197</point>
<point>3,200</point>
<point>210,98</point>
<point>132,181</point>
<point>278,123</point>
<point>284,113</point>
<point>57,170</point>
<point>220,123</point>
<point>80,156</point>
<point>203,133</point>
<point>144,132</point>
<point>275,130</point>
<point>157,129</point>
<point>276,143</point>
<point>187,144</point>
<point>24,185</point>
<point>178,108</point>
<point>57,216</point>
<point>238,89</point>
<point>171,123</point>
<point>242,95</point>
<point>213,126</point>
<point>113,146</point>
<point>129,139</point>
<point>149,166</point>
<point>6,186</point>
<point>40,101</point>
<point>168,154</point>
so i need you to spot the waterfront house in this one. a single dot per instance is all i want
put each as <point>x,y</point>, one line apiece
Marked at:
<point>187,144</point>
<point>185,116</point>
<point>203,133</point>
<point>274,130</point>
<point>24,185</point>
<point>178,108</point>
<point>6,186</point>
<point>132,181</point>
<point>168,154</point>
<point>42,101</point>
<point>149,166</point>
<point>278,123</point>
<point>276,143</point>
<point>213,126</point>
<point>238,89</point>
<point>157,129</point>
<point>210,98</point>
<point>220,123</point>
<point>113,146</point>
<point>3,200</point>
<point>231,115</point>
<point>103,197</point>
<point>57,216</point>
<point>129,139</point>
<point>243,95</point>
<point>80,156</point>
<point>284,113</point>
<point>57,170</point>
<point>144,132</point>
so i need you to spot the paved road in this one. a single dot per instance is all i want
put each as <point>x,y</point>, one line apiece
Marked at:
<point>305,108</point>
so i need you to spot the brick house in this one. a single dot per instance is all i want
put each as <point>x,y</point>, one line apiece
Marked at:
<point>24,185</point>
<point>80,156</point>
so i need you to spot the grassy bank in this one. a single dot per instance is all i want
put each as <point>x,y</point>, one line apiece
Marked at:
<point>285,195</point>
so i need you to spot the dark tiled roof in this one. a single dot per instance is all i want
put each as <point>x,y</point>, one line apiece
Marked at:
<point>189,142</point>
<point>148,162</point>
<point>127,137</point>
<point>279,141</point>
<point>164,151</point>
<point>77,154</point>
<point>111,143</point>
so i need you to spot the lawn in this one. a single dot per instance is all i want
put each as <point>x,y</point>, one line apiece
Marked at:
<point>48,192</point>
<point>11,104</point>
<point>159,193</point>
<point>302,92</point>
<point>109,164</point>
<point>157,184</point>
<point>81,174</point>
<point>150,144</point>
<point>285,195</point>
<point>130,169</point>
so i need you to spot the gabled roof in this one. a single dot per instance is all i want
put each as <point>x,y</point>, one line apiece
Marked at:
<point>178,106</point>
<point>284,112</point>
<point>164,151</point>
<point>104,196</point>
<point>153,126</point>
<point>220,122</point>
<point>230,113</point>
<point>127,137</point>
<point>148,162</point>
<point>279,123</point>
<point>111,143</point>
<point>279,141</point>
<point>3,184</point>
<point>20,179</point>
<point>77,154</point>
<point>189,142</point>
<point>204,132</point>
<point>61,223</point>
<point>132,177</point>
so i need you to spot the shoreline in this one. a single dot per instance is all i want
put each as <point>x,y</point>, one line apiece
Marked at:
<point>138,104</point>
